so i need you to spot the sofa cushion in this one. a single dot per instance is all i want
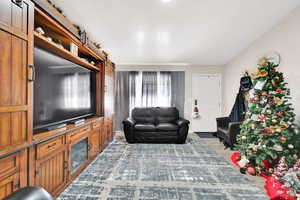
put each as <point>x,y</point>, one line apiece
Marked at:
<point>167,114</point>
<point>144,115</point>
<point>145,127</point>
<point>166,127</point>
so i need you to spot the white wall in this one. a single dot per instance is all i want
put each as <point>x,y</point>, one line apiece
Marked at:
<point>284,38</point>
<point>189,70</point>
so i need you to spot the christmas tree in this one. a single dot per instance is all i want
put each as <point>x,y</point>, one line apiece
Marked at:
<point>268,132</point>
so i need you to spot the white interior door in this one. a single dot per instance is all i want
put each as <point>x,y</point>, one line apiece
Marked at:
<point>206,89</point>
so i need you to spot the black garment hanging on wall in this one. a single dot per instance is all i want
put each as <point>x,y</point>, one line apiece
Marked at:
<point>239,109</point>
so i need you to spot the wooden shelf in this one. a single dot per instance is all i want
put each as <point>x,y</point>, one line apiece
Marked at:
<point>43,42</point>
<point>60,32</point>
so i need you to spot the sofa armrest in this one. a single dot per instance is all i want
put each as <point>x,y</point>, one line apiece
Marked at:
<point>129,122</point>
<point>223,122</point>
<point>180,122</point>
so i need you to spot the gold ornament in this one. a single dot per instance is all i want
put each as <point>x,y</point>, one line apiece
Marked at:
<point>274,120</point>
<point>273,82</point>
<point>277,100</point>
<point>295,156</point>
<point>253,126</point>
<point>278,130</point>
<point>244,138</point>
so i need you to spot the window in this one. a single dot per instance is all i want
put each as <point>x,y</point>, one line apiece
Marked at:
<point>149,89</point>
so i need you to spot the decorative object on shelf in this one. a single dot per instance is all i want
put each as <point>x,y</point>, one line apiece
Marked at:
<point>74,49</point>
<point>56,7</point>
<point>84,37</point>
<point>97,45</point>
<point>78,28</point>
<point>58,42</point>
<point>40,30</point>
<point>105,54</point>
<point>48,38</point>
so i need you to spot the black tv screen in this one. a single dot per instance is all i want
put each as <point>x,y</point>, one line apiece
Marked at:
<point>63,91</point>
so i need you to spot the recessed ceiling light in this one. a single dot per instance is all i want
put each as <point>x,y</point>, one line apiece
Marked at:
<point>166,1</point>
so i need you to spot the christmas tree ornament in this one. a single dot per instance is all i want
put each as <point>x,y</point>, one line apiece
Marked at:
<point>277,100</point>
<point>255,148</point>
<point>278,130</point>
<point>244,138</point>
<point>243,162</point>
<point>266,131</point>
<point>295,156</point>
<point>278,90</point>
<point>290,146</point>
<point>251,171</point>
<point>274,120</point>
<point>283,139</point>
<point>264,93</point>
<point>279,114</point>
<point>277,147</point>
<point>259,85</point>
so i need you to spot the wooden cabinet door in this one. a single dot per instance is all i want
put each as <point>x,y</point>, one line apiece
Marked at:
<point>14,99</point>
<point>51,172</point>
<point>9,185</point>
<point>93,144</point>
<point>109,90</point>
<point>16,17</point>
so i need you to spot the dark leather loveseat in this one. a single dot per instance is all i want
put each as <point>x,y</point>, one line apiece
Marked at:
<point>156,125</point>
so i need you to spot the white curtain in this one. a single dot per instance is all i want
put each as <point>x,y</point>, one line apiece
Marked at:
<point>149,89</point>
<point>164,89</point>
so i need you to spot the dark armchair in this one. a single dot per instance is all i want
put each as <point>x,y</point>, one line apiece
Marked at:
<point>227,130</point>
<point>156,125</point>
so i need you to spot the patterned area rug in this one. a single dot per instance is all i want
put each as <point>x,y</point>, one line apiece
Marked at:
<point>191,171</point>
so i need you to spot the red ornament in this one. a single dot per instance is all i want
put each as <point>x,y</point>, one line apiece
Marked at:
<point>266,131</point>
<point>271,102</point>
<point>283,138</point>
<point>279,114</point>
<point>278,90</point>
<point>251,171</point>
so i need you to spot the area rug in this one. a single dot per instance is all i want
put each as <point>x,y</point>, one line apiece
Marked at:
<point>161,172</point>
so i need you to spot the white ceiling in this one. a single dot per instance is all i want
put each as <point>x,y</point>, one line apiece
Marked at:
<point>175,31</point>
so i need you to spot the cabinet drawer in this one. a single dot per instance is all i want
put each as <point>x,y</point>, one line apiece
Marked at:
<point>9,164</point>
<point>96,124</point>
<point>74,135</point>
<point>46,148</point>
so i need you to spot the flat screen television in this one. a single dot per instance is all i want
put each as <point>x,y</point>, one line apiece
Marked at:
<point>63,91</point>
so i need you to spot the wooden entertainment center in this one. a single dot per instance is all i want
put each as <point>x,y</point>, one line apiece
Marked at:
<point>45,159</point>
